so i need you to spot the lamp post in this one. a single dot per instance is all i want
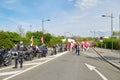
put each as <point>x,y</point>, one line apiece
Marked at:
<point>65,34</point>
<point>30,28</point>
<point>94,34</point>
<point>119,27</point>
<point>43,24</point>
<point>111,16</point>
<point>42,39</point>
<point>119,36</point>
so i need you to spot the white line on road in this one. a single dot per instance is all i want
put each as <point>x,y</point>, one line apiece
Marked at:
<point>48,59</point>
<point>9,73</point>
<point>93,68</point>
<point>31,64</point>
<point>6,67</point>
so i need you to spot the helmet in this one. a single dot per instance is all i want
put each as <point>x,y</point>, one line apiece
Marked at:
<point>21,42</point>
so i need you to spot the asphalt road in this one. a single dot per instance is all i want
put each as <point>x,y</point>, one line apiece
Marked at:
<point>66,66</point>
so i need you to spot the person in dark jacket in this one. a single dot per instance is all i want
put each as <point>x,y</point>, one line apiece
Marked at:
<point>78,49</point>
<point>20,48</point>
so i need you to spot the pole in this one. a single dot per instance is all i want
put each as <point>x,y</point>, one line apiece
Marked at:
<point>65,35</point>
<point>30,28</point>
<point>42,39</point>
<point>112,31</point>
<point>43,26</point>
<point>119,25</point>
<point>119,36</point>
<point>94,35</point>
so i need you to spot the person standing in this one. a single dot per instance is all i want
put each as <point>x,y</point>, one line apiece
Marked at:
<point>20,48</point>
<point>78,49</point>
<point>15,55</point>
<point>75,48</point>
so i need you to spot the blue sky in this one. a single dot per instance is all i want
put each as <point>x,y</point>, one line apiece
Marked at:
<point>78,17</point>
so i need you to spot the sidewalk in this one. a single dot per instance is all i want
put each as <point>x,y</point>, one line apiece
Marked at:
<point>111,56</point>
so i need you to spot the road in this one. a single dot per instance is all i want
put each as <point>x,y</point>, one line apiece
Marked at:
<point>64,66</point>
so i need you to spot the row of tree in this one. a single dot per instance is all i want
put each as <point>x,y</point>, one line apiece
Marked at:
<point>9,39</point>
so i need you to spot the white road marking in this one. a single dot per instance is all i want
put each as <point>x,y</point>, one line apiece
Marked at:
<point>6,67</point>
<point>49,59</point>
<point>39,59</point>
<point>8,73</point>
<point>30,64</point>
<point>93,68</point>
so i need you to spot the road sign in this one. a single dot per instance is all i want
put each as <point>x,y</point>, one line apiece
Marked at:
<point>101,39</point>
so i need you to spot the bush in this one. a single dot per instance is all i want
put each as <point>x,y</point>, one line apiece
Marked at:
<point>108,42</point>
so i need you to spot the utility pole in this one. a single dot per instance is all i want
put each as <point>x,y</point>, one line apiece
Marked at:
<point>111,16</point>
<point>119,36</point>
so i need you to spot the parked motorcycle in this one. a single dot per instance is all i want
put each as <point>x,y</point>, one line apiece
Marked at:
<point>29,54</point>
<point>42,51</point>
<point>13,53</point>
<point>5,58</point>
<point>53,50</point>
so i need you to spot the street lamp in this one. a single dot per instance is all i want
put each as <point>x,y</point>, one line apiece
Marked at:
<point>94,34</point>
<point>65,34</point>
<point>43,24</point>
<point>119,27</point>
<point>111,16</point>
<point>30,28</point>
<point>119,36</point>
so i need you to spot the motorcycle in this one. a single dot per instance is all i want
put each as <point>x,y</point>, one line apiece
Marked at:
<point>29,54</point>
<point>53,51</point>
<point>42,51</point>
<point>5,58</point>
<point>13,53</point>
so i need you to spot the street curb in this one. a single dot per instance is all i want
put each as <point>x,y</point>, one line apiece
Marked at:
<point>110,62</point>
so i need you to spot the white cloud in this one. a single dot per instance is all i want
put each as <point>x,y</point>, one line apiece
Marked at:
<point>10,4</point>
<point>70,0</point>
<point>15,5</point>
<point>86,4</point>
<point>11,1</point>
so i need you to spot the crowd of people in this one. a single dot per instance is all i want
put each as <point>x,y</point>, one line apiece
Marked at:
<point>79,46</point>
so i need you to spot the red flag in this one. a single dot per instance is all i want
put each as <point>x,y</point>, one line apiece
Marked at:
<point>42,39</point>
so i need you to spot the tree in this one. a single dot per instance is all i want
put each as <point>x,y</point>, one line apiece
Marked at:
<point>36,36</point>
<point>8,39</point>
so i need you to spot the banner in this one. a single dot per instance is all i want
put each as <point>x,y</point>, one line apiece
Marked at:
<point>43,39</point>
<point>31,41</point>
